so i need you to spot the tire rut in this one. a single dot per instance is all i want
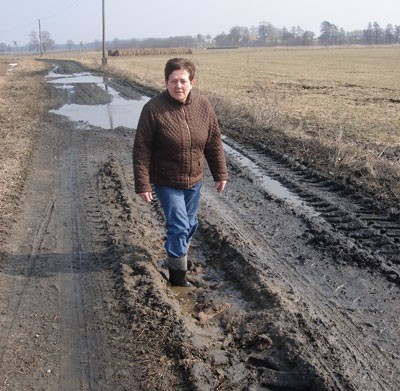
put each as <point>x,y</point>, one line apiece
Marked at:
<point>83,345</point>
<point>363,223</point>
<point>23,288</point>
<point>314,303</point>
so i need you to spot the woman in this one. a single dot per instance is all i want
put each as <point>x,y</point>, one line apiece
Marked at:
<point>176,133</point>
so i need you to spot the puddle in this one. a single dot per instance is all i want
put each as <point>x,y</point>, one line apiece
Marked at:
<point>12,67</point>
<point>119,112</point>
<point>272,186</point>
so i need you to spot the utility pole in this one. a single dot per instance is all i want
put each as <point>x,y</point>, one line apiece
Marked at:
<point>40,40</point>
<point>104,59</point>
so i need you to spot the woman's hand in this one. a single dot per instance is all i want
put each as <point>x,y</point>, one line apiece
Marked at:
<point>220,186</point>
<point>147,196</point>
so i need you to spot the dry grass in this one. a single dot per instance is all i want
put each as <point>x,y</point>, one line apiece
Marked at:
<point>155,51</point>
<point>345,99</point>
<point>20,121</point>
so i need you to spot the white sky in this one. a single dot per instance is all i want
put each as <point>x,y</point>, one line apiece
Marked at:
<point>80,20</point>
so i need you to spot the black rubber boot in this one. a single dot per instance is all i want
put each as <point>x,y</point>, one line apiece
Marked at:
<point>178,278</point>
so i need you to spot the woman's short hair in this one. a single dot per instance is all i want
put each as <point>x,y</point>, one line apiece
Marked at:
<point>179,63</point>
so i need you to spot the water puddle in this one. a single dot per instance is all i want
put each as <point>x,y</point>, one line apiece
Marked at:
<point>121,111</point>
<point>272,186</point>
<point>12,67</point>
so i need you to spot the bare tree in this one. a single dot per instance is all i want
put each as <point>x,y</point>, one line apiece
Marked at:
<point>389,34</point>
<point>234,36</point>
<point>47,42</point>
<point>329,33</point>
<point>377,34</point>
<point>33,41</point>
<point>70,44</point>
<point>116,43</point>
<point>263,32</point>
<point>368,34</point>
<point>397,34</point>
<point>307,38</point>
<point>221,39</point>
<point>3,48</point>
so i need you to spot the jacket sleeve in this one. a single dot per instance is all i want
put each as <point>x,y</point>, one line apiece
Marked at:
<point>214,150</point>
<point>142,150</point>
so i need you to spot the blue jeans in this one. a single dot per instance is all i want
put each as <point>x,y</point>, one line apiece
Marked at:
<point>180,208</point>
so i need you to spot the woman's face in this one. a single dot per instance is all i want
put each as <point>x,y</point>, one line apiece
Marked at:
<point>179,85</point>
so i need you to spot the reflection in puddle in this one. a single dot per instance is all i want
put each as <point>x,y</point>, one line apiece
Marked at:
<point>272,186</point>
<point>119,112</point>
<point>12,66</point>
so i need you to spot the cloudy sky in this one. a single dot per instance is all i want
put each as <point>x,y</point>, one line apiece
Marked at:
<point>80,20</point>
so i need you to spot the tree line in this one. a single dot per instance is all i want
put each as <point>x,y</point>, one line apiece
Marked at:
<point>266,34</point>
<point>48,44</point>
<point>372,35</point>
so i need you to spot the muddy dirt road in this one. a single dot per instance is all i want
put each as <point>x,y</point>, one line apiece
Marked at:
<point>296,277</point>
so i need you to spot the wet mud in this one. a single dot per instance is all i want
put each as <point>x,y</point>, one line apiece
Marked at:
<point>295,276</point>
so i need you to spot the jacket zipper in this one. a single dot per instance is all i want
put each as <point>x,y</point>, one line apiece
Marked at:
<point>190,146</point>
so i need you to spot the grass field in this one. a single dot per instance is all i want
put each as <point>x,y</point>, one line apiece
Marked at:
<point>345,99</point>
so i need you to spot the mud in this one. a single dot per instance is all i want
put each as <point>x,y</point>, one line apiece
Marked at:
<point>295,287</point>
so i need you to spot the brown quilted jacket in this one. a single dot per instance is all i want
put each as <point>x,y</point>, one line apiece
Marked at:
<point>173,140</point>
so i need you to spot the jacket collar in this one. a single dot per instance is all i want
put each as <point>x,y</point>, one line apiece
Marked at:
<point>188,100</point>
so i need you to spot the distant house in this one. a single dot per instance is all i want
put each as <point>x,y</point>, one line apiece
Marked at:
<point>253,38</point>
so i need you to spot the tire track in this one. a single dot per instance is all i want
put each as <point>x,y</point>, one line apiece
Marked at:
<point>85,346</point>
<point>361,221</point>
<point>325,319</point>
<point>21,293</point>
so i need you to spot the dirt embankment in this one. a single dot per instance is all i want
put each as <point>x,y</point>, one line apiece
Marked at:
<point>291,292</point>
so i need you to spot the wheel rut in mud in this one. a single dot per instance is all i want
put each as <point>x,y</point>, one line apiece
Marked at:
<point>294,290</point>
<point>371,232</point>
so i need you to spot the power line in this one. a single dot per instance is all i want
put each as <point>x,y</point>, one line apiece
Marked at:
<point>45,18</point>
<point>61,11</point>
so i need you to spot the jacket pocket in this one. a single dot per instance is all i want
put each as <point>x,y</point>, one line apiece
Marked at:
<point>197,167</point>
<point>166,169</point>
<point>166,165</point>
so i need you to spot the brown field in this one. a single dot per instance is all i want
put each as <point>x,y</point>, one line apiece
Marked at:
<point>336,108</point>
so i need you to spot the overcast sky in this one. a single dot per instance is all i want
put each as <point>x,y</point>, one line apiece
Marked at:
<point>80,20</point>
